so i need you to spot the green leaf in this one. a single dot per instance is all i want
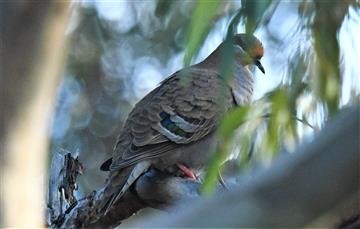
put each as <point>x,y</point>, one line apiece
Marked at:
<point>325,30</point>
<point>253,12</point>
<point>163,7</point>
<point>279,117</point>
<point>247,146</point>
<point>211,177</point>
<point>230,123</point>
<point>200,25</point>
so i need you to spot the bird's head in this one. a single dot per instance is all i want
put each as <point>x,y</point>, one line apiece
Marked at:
<point>248,50</point>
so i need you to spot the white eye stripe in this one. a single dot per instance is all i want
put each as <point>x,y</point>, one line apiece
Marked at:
<point>238,48</point>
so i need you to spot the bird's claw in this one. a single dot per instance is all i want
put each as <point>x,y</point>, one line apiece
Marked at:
<point>187,171</point>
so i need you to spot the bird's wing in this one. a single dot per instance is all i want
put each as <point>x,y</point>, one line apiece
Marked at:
<point>177,112</point>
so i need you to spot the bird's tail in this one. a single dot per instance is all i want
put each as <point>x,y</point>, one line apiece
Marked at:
<point>120,182</point>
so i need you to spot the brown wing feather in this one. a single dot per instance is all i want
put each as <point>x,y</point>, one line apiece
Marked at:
<point>195,105</point>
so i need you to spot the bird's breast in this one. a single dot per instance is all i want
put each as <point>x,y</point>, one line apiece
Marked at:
<point>242,85</point>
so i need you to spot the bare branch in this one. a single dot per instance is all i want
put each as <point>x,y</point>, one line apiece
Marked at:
<point>154,189</point>
<point>65,168</point>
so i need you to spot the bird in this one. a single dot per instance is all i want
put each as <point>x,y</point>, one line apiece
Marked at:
<point>173,128</point>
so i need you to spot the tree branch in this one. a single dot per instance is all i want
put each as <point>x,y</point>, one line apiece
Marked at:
<point>153,189</point>
<point>325,171</point>
<point>296,190</point>
<point>33,48</point>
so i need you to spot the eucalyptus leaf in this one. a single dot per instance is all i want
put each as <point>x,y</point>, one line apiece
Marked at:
<point>201,22</point>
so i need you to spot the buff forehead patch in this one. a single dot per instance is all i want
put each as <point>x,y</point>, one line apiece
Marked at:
<point>250,44</point>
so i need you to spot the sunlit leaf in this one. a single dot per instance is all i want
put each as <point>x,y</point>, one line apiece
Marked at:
<point>247,147</point>
<point>279,117</point>
<point>325,28</point>
<point>230,123</point>
<point>211,178</point>
<point>200,26</point>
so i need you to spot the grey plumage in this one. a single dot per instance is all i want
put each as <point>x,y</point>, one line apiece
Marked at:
<point>175,123</point>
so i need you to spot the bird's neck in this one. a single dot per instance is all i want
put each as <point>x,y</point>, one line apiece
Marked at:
<point>212,62</point>
<point>241,83</point>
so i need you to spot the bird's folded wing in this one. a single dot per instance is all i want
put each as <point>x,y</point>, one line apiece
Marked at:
<point>173,114</point>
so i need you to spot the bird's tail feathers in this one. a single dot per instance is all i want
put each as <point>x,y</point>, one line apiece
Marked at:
<point>134,173</point>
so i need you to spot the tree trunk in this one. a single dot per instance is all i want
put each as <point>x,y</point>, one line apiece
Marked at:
<point>32,55</point>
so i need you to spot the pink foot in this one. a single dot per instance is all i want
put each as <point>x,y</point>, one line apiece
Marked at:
<point>188,172</point>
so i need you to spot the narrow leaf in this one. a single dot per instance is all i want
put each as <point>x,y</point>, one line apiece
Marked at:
<point>200,26</point>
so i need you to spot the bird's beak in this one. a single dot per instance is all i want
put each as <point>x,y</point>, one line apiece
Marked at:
<point>259,65</point>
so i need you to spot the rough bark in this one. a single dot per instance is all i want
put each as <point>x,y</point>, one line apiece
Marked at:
<point>153,189</point>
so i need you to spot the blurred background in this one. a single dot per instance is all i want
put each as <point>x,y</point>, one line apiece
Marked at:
<point>121,50</point>
<point>111,53</point>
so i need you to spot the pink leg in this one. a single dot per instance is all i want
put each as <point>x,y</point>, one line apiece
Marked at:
<point>188,172</point>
